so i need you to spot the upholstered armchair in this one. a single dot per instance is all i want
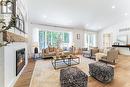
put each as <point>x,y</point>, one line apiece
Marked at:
<point>93,52</point>
<point>84,51</point>
<point>87,54</point>
<point>112,56</point>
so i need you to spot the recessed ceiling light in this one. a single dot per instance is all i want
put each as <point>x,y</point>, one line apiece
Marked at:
<point>113,6</point>
<point>44,16</point>
<point>100,27</point>
<point>86,25</point>
<point>126,14</point>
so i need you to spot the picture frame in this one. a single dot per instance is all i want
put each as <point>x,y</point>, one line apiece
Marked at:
<point>122,39</point>
<point>20,25</point>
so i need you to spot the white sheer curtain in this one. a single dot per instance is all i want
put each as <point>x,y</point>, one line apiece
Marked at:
<point>90,39</point>
<point>107,40</point>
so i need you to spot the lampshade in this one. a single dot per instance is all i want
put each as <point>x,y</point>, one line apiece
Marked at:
<point>73,43</point>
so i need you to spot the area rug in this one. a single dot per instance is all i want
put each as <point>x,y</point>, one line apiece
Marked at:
<point>45,75</point>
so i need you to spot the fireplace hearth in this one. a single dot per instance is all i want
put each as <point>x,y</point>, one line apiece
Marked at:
<point>20,60</point>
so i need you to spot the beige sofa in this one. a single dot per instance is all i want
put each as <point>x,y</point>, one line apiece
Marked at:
<point>52,51</point>
<point>48,52</point>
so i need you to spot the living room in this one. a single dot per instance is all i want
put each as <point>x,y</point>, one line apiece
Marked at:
<point>64,43</point>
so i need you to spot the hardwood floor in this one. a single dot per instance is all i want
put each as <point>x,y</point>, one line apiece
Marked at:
<point>51,77</point>
<point>25,78</point>
<point>121,75</point>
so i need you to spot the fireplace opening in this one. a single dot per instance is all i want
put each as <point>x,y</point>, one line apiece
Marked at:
<point>20,60</point>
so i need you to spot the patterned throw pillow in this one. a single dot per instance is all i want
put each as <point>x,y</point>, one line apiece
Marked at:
<point>47,50</point>
<point>44,50</point>
<point>57,51</point>
<point>51,49</point>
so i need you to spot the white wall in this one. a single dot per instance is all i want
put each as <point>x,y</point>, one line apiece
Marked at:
<point>1,63</point>
<point>10,62</point>
<point>79,43</point>
<point>114,31</point>
<point>1,57</point>
<point>1,67</point>
<point>8,53</point>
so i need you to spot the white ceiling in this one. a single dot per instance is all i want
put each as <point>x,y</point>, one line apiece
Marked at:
<point>82,14</point>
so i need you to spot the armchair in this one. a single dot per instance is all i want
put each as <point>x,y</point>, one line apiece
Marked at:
<point>112,56</point>
<point>84,51</point>
<point>93,52</point>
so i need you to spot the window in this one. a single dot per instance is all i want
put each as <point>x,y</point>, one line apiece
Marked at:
<point>48,38</point>
<point>90,39</point>
<point>106,40</point>
<point>42,39</point>
<point>66,37</point>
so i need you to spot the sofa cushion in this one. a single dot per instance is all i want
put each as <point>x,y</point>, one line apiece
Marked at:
<point>44,51</point>
<point>105,51</point>
<point>51,53</point>
<point>94,51</point>
<point>51,49</point>
<point>47,50</point>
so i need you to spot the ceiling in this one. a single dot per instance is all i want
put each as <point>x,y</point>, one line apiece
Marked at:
<point>80,14</point>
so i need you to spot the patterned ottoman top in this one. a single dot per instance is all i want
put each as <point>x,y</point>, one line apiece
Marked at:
<point>101,65</point>
<point>101,71</point>
<point>72,73</point>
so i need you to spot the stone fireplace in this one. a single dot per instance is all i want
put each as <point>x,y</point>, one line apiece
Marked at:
<point>20,60</point>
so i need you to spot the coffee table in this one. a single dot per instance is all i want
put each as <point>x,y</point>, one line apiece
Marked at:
<point>68,60</point>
